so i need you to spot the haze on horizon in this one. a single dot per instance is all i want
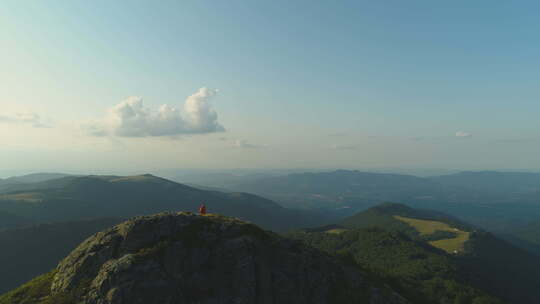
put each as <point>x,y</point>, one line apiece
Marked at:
<point>124,86</point>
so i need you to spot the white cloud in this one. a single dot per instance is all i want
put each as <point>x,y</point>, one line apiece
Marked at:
<point>131,119</point>
<point>25,117</point>
<point>463,134</point>
<point>240,143</point>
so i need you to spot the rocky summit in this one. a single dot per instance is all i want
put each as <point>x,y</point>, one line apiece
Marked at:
<point>187,258</point>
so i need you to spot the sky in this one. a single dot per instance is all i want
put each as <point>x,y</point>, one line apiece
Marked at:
<point>143,85</point>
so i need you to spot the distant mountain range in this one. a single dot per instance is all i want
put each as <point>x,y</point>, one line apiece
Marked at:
<point>35,177</point>
<point>78,197</point>
<point>488,199</point>
<point>345,187</point>
<point>17,183</point>
<point>497,201</point>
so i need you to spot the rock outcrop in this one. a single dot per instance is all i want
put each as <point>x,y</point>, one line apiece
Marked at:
<point>185,258</point>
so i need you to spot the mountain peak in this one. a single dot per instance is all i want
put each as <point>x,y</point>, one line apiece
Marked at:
<point>183,257</point>
<point>390,207</point>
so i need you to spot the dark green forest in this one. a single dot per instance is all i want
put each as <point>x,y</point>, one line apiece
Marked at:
<point>422,273</point>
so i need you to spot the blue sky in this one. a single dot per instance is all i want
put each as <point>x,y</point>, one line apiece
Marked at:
<point>309,84</point>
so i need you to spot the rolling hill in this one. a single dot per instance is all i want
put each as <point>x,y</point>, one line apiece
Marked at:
<point>478,257</point>
<point>356,188</point>
<point>421,273</point>
<point>341,188</point>
<point>35,177</point>
<point>487,199</point>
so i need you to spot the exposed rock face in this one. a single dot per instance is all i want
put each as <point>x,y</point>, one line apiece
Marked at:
<point>185,258</point>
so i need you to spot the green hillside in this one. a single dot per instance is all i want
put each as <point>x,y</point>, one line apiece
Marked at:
<point>482,259</point>
<point>526,232</point>
<point>500,267</point>
<point>420,272</point>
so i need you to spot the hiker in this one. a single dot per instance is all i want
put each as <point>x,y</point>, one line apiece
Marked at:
<point>202,209</point>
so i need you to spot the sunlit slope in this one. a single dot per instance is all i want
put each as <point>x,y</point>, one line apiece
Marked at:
<point>426,228</point>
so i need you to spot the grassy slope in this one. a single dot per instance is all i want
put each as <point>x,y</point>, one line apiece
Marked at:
<point>38,288</point>
<point>427,227</point>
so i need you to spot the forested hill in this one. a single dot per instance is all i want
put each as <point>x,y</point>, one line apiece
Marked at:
<point>431,254</point>
<point>421,273</point>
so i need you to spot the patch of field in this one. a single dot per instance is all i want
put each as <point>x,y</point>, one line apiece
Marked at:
<point>336,230</point>
<point>427,227</point>
<point>29,197</point>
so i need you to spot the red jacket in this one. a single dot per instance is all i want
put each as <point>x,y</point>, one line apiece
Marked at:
<point>202,209</point>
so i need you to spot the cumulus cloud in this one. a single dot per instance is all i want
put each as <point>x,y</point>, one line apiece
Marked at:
<point>27,117</point>
<point>130,118</point>
<point>463,134</point>
<point>243,144</point>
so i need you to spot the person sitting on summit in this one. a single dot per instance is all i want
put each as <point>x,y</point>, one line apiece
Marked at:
<point>202,209</point>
